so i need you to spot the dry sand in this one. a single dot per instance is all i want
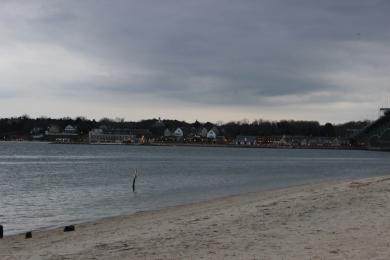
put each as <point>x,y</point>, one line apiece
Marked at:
<point>345,220</point>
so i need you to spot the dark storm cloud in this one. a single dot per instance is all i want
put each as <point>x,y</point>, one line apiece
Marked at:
<point>209,51</point>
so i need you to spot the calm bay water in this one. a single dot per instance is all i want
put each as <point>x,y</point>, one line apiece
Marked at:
<point>46,185</point>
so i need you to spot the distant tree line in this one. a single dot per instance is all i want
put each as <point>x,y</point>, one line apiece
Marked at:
<point>24,126</point>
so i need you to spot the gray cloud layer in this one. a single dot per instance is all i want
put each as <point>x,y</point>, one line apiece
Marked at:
<point>327,55</point>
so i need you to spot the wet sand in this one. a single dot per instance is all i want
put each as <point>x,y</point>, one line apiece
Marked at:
<point>340,220</point>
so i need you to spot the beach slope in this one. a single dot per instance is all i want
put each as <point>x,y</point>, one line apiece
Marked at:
<point>344,220</point>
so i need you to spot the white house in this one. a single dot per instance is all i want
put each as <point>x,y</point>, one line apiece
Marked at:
<point>246,140</point>
<point>70,129</point>
<point>211,134</point>
<point>283,141</point>
<point>178,133</point>
<point>215,130</point>
<point>167,133</point>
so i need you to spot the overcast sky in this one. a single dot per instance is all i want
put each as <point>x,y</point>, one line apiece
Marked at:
<point>195,59</point>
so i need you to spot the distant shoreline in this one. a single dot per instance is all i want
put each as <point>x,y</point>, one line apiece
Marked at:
<point>199,145</point>
<point>222,146</point>
<point>252,146</point>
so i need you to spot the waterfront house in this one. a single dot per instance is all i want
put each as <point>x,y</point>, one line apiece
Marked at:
<point>221,140</point>
<point>37,133</point>
<point>246,140</point>
<point>211,135</point>
<point>109,136</point>
<point>52,130</point>
<point>178,133</point>
<point>69,134</point>
<point>202,132</point>
<point>118,136</point>
<point>167,133</point>
<point>304,142</point>
<point>70,130</point>
<point>267,141</point>
<point>215,130</point>
<point>284,141</point>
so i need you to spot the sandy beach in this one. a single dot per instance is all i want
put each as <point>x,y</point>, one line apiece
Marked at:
<point>339,220</point>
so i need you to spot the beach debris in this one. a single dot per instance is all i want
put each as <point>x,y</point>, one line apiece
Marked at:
<point>356,184</point>
<point>1,231</point>
<point>28,235</point>
<point>134,178</point>
<point>69,228</point>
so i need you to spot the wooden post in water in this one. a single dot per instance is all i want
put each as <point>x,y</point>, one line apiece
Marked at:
<point>135,177</point>
<point>1,231</point>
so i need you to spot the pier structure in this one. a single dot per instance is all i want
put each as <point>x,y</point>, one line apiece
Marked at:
<point>376,136</point>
